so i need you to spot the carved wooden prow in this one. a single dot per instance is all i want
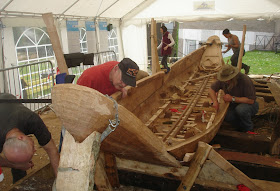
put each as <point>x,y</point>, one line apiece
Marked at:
<point>81,144</point>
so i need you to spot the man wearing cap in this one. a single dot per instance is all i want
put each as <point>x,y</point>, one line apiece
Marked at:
<point>240,92</point>
<point>16,123</point>
<point>110,77</point>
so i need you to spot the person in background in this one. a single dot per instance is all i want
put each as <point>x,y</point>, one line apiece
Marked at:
<point>110,77</point>
<point>16,123</point>
<point>240,92</point>
<point>234,44</point>
<point>166,43</point>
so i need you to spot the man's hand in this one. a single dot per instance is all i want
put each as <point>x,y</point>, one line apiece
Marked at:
<point>216,105</point>
<point>124,92</point>
<point>227,98</point>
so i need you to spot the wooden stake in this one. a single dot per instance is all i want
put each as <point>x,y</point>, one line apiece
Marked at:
<point>239,65</point>
<point>77,163</point>
<point>195,167</point>
<point>61,63</point>
<point>155,60</point>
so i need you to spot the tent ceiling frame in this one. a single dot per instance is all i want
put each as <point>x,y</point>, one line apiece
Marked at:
<point>136,9</point>
<point>63,16</point>
<point>6,5</point>
<point>70,7</point>
<point>108,8</point>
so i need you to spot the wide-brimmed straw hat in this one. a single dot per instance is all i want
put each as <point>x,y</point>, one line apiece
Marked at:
<point>227,73</point>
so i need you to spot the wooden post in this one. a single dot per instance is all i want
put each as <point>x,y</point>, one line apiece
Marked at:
<point>61,63</point>
<point>196,165</point>
<point>77,163</point>
<point>155,61</point>
<point>239,64</point>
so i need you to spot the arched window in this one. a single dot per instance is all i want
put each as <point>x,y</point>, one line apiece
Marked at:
<point>83,40</point>
<point>33,45</point>
<point>35,60</point>
<point>113,41</point>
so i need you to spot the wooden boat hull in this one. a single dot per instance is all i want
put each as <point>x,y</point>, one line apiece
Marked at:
<point>152,93</point>
<point>88,111</point>
<point>144,134</point>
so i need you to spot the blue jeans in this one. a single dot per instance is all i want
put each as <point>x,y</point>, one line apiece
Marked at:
<point>241,115</point>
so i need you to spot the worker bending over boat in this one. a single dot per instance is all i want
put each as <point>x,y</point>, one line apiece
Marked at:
<point>240,92</point>
<point>17,122</point>
<point>110,77</point>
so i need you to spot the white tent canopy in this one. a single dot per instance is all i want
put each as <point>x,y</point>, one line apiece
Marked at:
<point>131,16</point>
<point>145,9</point>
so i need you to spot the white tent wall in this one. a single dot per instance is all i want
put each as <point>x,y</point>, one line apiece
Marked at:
<point>135,44</point>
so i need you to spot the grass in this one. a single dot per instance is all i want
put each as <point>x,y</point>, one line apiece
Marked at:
<point>261,62</point>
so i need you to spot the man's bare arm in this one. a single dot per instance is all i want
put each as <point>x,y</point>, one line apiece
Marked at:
<point>53,154</point>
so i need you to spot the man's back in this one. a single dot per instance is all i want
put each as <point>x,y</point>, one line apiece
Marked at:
<point>16,115</point>
<point>97,77</point>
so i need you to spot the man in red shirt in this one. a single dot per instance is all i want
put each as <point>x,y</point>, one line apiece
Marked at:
<point>110,77</point>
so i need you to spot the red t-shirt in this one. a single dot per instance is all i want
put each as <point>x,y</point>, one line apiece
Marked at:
<point>97,77</point>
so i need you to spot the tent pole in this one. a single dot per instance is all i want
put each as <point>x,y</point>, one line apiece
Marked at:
<point>154,53</point>
<point>2,65</point>
<point>97,36</point>
<point>51,28</point>
<point>120,41</point>
<point>239,64</point>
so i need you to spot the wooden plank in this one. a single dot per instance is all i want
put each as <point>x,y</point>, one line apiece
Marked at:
<point>250,158</point>
<point>52,32</point>
<point>256,83</point>
<point>275,90</point>
<point>208,109</point>
<point>158,113</point>
<point>101,179</point>
<point>111,170</point>
<point>262,89</point>
<point>229,168</point>
<point>195,167</point>
<point>77,163</point>
<point>242,141</point>
<point>239,64</point>
<point>211,175</point>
